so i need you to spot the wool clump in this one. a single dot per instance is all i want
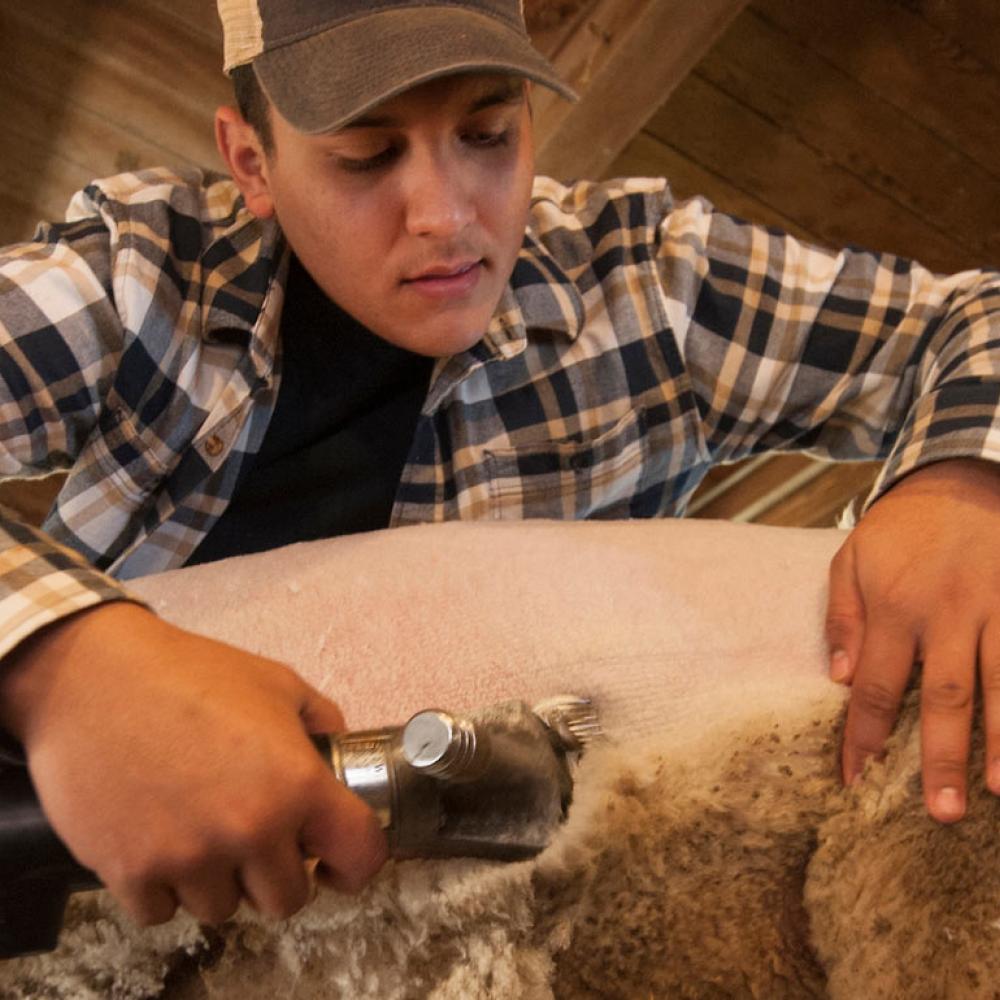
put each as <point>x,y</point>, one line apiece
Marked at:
<point>730,866</point>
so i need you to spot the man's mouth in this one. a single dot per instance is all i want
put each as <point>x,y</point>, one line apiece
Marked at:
<point>447,280</point>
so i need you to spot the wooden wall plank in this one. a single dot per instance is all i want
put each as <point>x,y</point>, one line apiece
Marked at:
<point>30,499</point>
<point>630,55</point>
<point>769,477</point>
<point>42,177</point>
<point>122,85</point>
<point>924,72</point>
<point>579,53</point>
<point>759,157</point>
<point>200,16</point>
<point>27,198</point>
<point>842,122</point>
<point>647,156</point>
<point>974,24</point>
<point>822,502</point>
<point>132,65</point>
<point>722,478</point>
<point>551,30</point>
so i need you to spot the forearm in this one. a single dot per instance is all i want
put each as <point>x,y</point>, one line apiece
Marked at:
<point>42,585</point>
<point>30,671</point>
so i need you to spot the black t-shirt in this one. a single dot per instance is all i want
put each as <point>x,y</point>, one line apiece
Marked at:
<point>333,454</point>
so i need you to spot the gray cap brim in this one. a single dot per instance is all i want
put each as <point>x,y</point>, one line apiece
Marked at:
<point>320,83</point>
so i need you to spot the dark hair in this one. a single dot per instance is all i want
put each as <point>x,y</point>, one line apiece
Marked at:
<point>253,105</point>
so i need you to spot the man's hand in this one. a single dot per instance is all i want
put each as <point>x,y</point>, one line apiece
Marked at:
<point>179,769</point>
<point>918,580</point>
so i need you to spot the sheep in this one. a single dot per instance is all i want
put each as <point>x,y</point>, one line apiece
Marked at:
<point>710,850</point>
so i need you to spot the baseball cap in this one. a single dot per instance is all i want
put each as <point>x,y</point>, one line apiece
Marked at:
<point>324,62</point>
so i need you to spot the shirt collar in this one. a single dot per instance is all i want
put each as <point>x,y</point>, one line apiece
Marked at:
<point>243,270</point>
<point>539,296</point>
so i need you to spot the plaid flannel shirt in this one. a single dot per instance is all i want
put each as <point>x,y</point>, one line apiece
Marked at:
<point>639,342</point>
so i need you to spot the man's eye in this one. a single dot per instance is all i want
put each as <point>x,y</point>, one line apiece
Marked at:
<point>487,140</point>
<point>368,163</point>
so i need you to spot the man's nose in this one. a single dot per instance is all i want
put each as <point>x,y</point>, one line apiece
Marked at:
<point>438,200</point>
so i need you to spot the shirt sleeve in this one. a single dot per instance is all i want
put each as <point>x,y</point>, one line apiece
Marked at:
<point>848,355</point>
<point>60,337</point>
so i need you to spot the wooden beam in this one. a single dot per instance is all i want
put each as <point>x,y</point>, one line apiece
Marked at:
<point>624,59</point>
<point>821,502</point>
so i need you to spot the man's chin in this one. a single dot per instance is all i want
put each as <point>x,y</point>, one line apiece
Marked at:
<point>438,345</point>
<point>447,335</point>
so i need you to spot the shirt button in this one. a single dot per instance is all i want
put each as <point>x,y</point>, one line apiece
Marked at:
<point>214,446</point>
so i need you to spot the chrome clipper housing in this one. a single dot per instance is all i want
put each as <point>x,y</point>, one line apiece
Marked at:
<point>493,783</point>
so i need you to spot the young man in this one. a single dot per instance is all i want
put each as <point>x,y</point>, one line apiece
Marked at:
<point>188,345</point>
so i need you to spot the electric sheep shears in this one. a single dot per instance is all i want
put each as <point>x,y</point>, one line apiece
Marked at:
<point>494,783</point>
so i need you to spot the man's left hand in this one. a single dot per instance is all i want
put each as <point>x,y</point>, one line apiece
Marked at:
<point>918,580</point>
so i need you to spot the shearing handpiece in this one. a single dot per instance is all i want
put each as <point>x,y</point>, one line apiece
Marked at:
<point>493,783</point>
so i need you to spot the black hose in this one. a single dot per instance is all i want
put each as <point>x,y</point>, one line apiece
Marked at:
<point>37,872</point>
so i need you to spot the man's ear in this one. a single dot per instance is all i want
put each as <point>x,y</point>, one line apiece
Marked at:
<point>241,149</point>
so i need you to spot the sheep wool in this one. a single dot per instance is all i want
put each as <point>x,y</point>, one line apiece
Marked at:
<point>710,850</point>
<point>732,869</point>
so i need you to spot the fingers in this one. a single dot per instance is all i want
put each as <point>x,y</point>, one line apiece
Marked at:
<point>883,670</point>
<point>203,882</point>
<point>947,696</point>
<point>147,904</point>
<point>989,672</point>
<point>277,883</point>
<point>260,854</point>
<point>947,700</point>
<point>920,575</point>
<point>319,714</point>
<point>845,616</point>
<point>344,834</point>
<point>212,896</point>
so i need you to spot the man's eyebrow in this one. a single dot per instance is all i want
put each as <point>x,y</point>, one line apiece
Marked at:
<point>511,93</point>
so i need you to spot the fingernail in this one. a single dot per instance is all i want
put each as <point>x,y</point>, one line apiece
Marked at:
<point>948,805</point>
<point>840,666</point>
<point>993,777</point>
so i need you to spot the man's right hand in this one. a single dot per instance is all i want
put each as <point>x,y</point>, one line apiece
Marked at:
<point>179,769</point>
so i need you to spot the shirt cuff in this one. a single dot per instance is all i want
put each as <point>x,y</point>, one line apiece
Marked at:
<point>958,420</point>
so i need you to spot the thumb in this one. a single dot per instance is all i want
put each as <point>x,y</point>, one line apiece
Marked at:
<point>845,615</point>
<point>319,714</point>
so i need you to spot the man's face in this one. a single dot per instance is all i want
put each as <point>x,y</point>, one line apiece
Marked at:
<point>411,217</point>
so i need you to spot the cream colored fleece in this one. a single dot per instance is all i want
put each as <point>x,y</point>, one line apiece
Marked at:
<point>710,851</point>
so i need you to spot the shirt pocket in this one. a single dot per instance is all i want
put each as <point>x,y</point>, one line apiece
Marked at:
<point>572,478</point>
